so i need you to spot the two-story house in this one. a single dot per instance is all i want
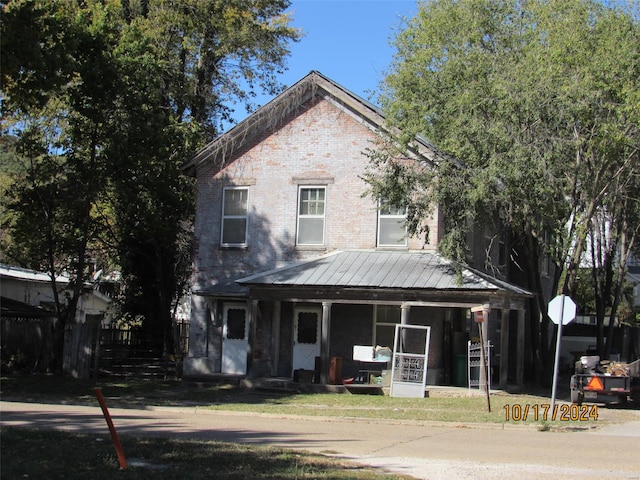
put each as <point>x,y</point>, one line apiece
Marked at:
<point>294,266</point>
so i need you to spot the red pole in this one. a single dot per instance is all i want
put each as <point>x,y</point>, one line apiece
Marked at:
<point>112,429</point>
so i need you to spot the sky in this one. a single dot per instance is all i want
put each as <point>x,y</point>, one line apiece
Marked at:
<point>348,41</point>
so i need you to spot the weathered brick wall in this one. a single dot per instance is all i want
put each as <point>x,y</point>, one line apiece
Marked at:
<point>323,145</point>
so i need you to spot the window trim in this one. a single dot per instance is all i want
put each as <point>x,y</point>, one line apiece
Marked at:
<point>300,216</point>
<point>379,244</point>
<point>225,217</point>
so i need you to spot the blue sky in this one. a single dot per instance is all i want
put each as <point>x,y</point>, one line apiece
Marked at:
<point>345,40</point>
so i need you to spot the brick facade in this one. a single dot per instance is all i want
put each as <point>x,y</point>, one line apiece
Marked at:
<point>324,145</point>
<point>321,141</point>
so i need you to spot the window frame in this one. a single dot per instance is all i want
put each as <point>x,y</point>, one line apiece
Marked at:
<point>300,216</point>
<point>382,320</point>
<point>381,207</point>
<point>234,217</point>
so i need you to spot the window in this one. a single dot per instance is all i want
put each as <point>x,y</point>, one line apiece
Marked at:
<point>311,209</point>
<point>307,328</point>
<point>392,225</point>
<point>386,319</point>
<point>235,203</point>
<point>236,324</point>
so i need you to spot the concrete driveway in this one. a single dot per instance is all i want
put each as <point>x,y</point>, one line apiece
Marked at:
<point>423,450</point>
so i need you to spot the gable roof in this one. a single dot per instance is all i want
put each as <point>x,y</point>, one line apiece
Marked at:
<point>382,270</point>
<point>272,114</point>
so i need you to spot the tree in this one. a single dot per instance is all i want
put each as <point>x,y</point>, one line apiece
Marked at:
<point>57,88</point>
<point>534,108</point>
<point>106,99</point>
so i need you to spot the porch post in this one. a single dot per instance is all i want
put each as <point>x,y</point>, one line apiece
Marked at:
<point>504,348</point>
<point>324,343</point>
<point>275,337</point>
<point>520,357</point>
<point>404,320</point>
<point>253,320</point>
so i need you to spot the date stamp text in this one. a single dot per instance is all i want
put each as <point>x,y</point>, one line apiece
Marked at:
<point>543,412</point>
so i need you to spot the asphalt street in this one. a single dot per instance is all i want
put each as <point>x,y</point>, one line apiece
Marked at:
<point>423,450</point>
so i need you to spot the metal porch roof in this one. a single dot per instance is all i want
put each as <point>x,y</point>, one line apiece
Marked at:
<point>381,269</point>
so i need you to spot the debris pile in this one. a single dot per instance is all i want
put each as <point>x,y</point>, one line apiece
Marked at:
<point>617,369</point>
<point>593,364</point>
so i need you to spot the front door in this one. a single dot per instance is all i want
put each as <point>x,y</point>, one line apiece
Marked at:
<point>306,337</point>
<point>235,338</point>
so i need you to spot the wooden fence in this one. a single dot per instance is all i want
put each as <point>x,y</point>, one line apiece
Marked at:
<point>26,343</point>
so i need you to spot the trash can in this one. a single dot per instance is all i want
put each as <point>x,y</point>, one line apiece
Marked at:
<point>460,370</point>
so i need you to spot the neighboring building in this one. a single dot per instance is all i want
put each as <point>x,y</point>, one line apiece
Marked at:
<point>28,319</point>
<point>34,288</point>
<point>293,265</point>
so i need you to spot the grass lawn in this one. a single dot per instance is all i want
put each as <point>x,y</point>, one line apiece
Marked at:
<point>134,392</point>
<point>30,454</point>
<point>56,455</point>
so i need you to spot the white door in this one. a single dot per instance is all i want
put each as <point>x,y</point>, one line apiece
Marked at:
<point>235,338</point>
<point>306,337</point>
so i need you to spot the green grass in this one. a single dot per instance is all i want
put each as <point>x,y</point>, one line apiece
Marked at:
<point>132,392</point>
<point>70,456</point>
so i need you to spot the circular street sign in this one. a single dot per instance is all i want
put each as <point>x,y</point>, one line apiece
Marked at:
<point>559,314</point>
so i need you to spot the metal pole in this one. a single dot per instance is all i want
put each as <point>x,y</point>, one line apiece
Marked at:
<point>557,359</point>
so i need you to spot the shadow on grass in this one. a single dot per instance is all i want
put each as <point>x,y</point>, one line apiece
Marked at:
<point>128,391</point>
<point>74,456</point>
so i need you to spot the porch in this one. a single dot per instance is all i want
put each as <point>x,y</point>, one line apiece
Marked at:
<point>358,297</point>
<point>285,320</point>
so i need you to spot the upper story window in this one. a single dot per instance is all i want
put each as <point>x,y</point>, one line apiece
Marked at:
<point>235,216</point>
<point>392,225</point>
<point>311,215</point>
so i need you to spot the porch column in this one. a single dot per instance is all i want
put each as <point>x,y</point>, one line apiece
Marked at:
<point>504,348</point>
<point>520,357</point>
<point>405,311</point>
<point>275,337</point>
<point>253,320</point>
<point>324,343</point>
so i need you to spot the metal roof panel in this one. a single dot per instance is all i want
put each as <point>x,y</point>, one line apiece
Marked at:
<point>381,269</point>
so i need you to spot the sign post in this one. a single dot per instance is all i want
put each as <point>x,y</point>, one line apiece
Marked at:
<point>561,311</point>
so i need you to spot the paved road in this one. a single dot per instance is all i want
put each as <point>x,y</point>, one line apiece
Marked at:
<point>425,451</point>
